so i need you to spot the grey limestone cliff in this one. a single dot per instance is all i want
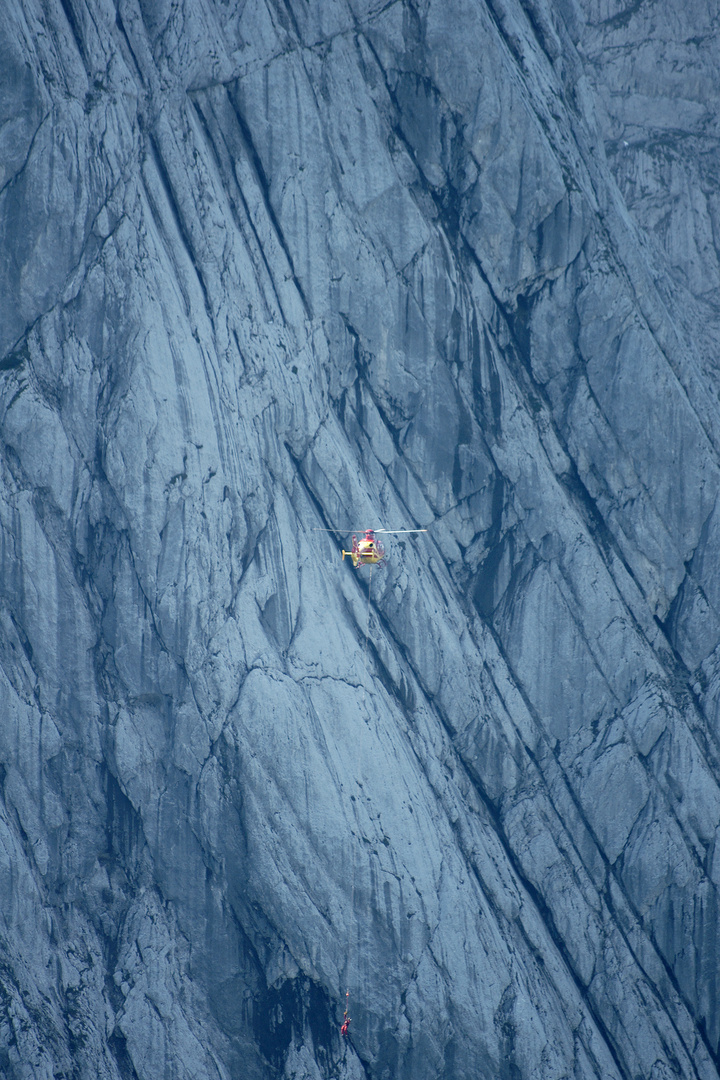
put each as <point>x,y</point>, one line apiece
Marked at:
<point>270,266</point>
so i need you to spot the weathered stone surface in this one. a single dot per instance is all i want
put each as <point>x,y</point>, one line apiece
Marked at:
<point>272,267</point>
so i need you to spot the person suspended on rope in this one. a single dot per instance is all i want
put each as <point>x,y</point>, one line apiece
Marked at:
<point>345,1029</point>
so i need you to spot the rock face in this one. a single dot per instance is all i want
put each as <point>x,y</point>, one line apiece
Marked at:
<point>269,266</point>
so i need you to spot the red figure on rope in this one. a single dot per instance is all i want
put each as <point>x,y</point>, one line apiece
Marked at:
<point>345,1029</point>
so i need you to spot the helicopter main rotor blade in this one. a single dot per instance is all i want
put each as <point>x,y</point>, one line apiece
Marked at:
<point>393,532</point>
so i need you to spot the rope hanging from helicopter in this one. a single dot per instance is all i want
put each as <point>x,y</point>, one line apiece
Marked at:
<point>369,551</point>
<point>367,639</point>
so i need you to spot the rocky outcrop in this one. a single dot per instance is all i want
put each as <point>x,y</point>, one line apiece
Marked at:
<point>272,267</point>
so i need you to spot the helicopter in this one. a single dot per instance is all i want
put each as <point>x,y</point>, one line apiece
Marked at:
<point>370,550</point>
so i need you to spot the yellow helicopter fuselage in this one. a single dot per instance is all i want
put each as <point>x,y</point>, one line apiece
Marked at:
<point>364,558</point>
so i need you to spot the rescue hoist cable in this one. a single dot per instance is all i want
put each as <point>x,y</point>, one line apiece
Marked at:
<point>371,552</point>
<point>344,1030</point>
<point>367,635</point>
